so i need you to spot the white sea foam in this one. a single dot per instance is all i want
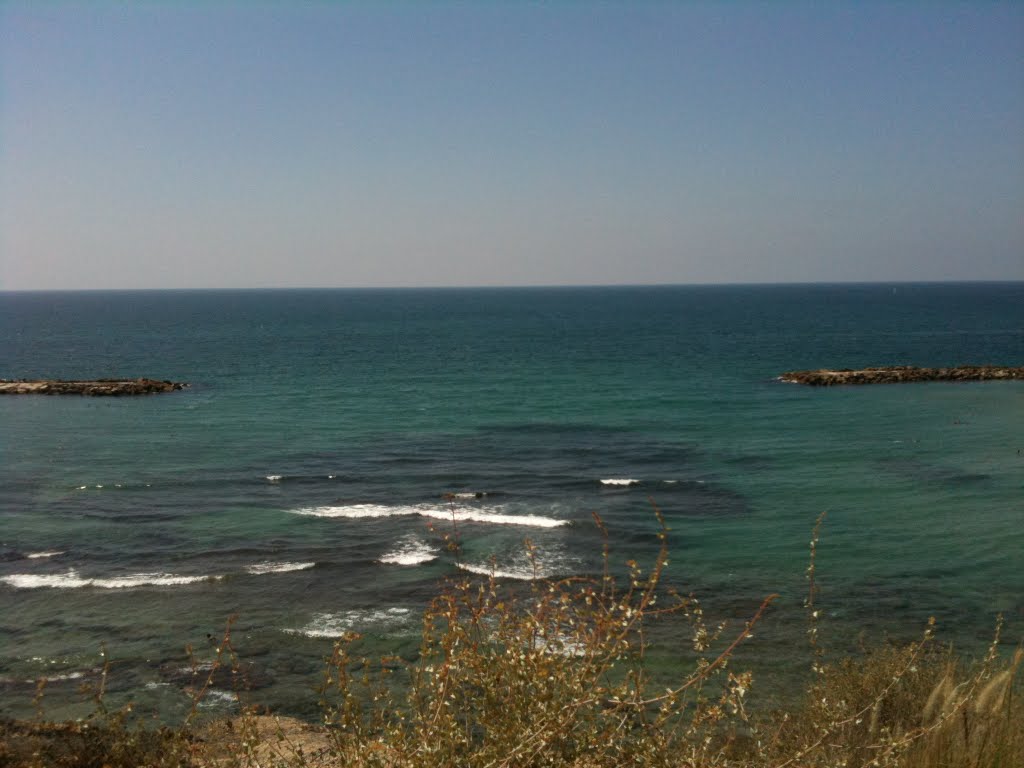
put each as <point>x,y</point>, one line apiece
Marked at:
<point>469,495</point>
<point>261,568</point>
<point>60,678</point>
<point>336,624</point>
<point>65,660</point>
<point>481,516</point>
<point>274,478</point>
<point>213,698</point>
<point>71,580</point>
<point>524,572</point>
<point>411,551</point>
<point>355,510</point>
<point>548,564</point>
<point>47,553</point>
<point>545,562</point>
<point>460,514</point>
<point>521,574</point>
<point>620,481</point>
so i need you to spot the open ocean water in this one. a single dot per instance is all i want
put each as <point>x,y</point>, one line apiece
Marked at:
<point>299,482</point>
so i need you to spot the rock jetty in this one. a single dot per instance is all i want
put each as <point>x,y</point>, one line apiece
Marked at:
<point>94,387</point>
<point>899,374</point>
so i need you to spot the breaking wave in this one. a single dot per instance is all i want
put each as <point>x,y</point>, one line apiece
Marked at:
<point>71,580</point>
<point>521,574</point>
<point>411,551</point>
<point>261,568</point>
<point>546,565</point>
<point>214,698</point>
<point>620,481</point>
<point>332,625</point>
<point>60,678</point>
<point>460,514</point>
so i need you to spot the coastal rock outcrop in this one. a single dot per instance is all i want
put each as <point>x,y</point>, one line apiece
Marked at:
<point>93,387</point>
<point>899,374</point>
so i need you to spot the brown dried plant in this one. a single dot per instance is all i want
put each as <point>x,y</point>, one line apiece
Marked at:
<point>555,675</point>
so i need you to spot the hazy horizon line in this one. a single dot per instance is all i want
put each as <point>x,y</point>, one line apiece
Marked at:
<point>523,286</point>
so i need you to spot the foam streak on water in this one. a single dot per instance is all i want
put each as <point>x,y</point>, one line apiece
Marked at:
<point>545,563</point>
<point>262,568</point>
<point>72,580</point>
<point>332,625</point>
<point>411,551</point>
<point>519,574</point>
<point>458,514</point>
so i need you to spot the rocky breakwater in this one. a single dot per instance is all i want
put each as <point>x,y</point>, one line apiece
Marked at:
<point>900,374</point>
<point>94,387</point>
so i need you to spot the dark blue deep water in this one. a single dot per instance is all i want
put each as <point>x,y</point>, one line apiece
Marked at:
<point>299,482</point>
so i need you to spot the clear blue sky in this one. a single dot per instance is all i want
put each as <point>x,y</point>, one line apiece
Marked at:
<point>368,144</point>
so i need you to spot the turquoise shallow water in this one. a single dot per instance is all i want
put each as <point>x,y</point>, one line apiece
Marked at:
<point>304,469</point>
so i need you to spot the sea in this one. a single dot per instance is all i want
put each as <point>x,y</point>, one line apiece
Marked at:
<point>331,442</point>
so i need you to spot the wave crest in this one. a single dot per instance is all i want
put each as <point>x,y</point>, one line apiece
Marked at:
<point>71,580</point>
<point>460,514</point>
<point>412,551</point>
<point>547,564</point>
<point>260,568</point>
<point>331,625</point>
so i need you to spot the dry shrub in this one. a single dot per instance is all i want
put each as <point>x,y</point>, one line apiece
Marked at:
<point>554,675</point>
<point>913,705</point>
<point>105,743</point>
<point>974,720</point>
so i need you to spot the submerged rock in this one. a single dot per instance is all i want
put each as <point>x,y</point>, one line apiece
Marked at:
<point>241,676</point>
<point>898,374</point>
<point>93,387</point>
